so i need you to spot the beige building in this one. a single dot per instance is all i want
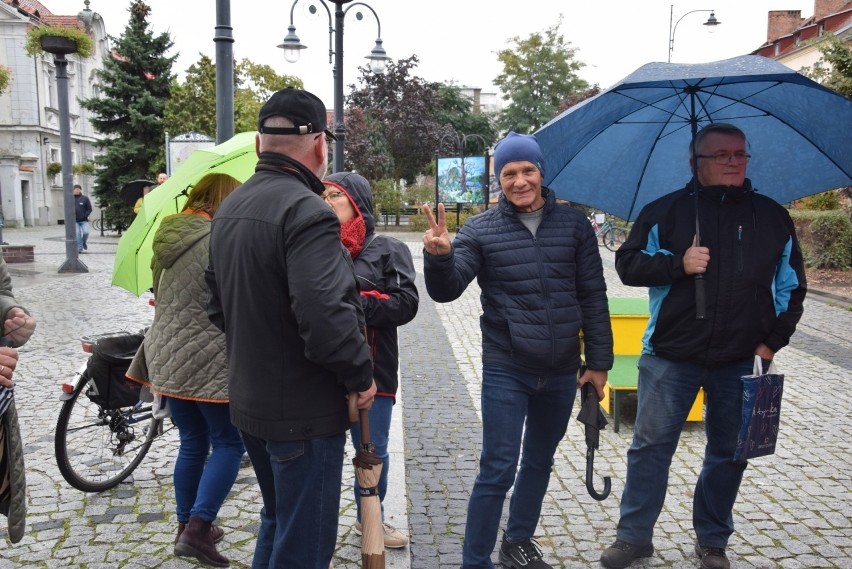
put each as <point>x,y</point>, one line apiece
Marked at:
<point>30,193</point>
<point>794,41</point>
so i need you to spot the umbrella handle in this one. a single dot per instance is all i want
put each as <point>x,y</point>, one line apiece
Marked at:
<point>353,407</point>
<point>700,298</point>
<point>590,484</point>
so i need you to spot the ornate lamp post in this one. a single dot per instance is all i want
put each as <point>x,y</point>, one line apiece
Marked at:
<point>378,60</point>
<point>711,24</point>
<point>60,47</point>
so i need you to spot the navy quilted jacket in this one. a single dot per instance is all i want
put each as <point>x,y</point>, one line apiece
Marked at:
<point>538,291</point>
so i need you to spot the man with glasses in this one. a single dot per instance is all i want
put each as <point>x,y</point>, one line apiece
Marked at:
<point>283,291</point>
<point>752,266</point>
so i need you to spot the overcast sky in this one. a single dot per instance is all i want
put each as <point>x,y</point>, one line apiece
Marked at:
<point>457,40</point>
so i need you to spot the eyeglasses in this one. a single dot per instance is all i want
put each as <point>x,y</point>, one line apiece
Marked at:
<point>333,195</point>
<point>724,158</point>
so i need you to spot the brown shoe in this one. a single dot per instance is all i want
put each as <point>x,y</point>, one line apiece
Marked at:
<point>197,541</point>
<point>712,557</point>
<point>217,532</point>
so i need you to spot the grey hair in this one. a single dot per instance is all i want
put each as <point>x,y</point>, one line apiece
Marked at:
<point>284,143</point>
<point>714,128</point>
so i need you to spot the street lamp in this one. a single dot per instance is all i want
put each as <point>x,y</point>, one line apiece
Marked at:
<point>711,24</point>
<point>378,60</point>
<point>60,48</point>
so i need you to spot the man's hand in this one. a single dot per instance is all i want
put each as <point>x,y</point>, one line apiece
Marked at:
<point>365,398</point>
<point>597,378</point>
<point>436,240</point>
<point>764,352</point>
<point>19,326</point>
<point>8,362</point>
<point>695,259</point>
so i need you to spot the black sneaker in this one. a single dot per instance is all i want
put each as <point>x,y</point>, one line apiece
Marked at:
<point>621,554</point>
<point>712,557</point>
<point>522,555</point>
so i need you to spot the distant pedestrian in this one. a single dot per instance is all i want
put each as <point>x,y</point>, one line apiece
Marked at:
<point>752,266</point>
<point>385,271</point>
<point>542,283</point>
<point>82,210</point>
<point>161,178</point>
<point>283,291</point>
<point>183,360</point>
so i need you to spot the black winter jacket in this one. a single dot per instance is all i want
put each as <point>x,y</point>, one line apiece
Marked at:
<point>537,291</point>
<point>82,208</point>
<point>755,281</point>
<point>385,272</point>
<point>282,290</point>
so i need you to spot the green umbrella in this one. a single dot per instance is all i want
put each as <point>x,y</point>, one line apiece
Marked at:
<point>132,267</point>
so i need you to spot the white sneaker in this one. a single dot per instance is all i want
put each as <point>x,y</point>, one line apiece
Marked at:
<point>394,539</point>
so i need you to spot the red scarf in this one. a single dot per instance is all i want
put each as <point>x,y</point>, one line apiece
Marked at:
<point>353,233</point>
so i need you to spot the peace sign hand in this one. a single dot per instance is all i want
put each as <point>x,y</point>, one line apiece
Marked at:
<point>436,240</point>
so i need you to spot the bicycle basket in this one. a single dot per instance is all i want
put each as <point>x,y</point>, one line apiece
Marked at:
<point>110,359</point>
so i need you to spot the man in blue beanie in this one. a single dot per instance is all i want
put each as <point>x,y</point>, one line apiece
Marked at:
<point>542,282</point>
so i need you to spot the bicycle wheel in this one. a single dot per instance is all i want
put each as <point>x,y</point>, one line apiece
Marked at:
<point>97,448</point>
<point>614,238</point>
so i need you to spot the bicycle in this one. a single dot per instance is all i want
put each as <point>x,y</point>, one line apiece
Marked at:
<point>104,429</point>
<point>608,234</point>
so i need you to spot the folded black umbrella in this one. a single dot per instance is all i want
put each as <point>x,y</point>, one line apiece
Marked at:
<point>593,419</point>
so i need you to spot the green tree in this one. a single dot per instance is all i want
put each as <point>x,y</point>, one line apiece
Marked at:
<point>456,111</point>
<point>399,114</point>
<point>387,200</point>
<point>192,107</point>
<point>255,84</point>
<point>396,121</point>
<point>538,73</point>
<point>135,85</point>
<point>834,70</point>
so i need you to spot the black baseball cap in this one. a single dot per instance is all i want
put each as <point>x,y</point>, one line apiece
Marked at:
<point>303,108</point>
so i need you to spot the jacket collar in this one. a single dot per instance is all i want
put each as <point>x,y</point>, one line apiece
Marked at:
<point>275,162</point>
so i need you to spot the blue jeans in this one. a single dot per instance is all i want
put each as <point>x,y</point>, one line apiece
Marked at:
<point>82,235</point>
<point>199,489</point>
<point>666,392</point>
<point>509,400</point>
<point>380,421</point>
<point>300,484</point>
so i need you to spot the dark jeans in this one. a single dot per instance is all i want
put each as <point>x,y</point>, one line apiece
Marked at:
<point>300,484</point>
<point>512,401</point>
<point>199,489</point>
<point>666,392</point>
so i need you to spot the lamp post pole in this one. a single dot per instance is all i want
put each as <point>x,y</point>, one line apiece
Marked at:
<point>337,73</point>
<point>711,24</point>
<point>60,49</point>
<point>224,40</point>
<point>378,59</point>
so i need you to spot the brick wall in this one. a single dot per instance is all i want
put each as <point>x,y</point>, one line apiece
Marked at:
<point>17,253</point>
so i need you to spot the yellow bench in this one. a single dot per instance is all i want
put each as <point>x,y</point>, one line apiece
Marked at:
<point>629,318</point>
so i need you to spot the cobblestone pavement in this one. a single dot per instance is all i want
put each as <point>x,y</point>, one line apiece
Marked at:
<point>794,509</point>
<point>134,524</point>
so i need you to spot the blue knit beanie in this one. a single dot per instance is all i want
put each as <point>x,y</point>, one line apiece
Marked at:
<point>517,148</point>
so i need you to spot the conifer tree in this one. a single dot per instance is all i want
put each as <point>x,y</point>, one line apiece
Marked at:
<point>135,85</point>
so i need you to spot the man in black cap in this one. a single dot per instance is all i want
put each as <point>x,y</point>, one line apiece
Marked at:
<point>283,291</point>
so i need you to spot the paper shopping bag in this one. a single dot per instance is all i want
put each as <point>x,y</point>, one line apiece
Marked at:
<point>761,412</point>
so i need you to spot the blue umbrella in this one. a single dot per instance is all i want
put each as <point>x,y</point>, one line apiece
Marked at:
<point>628,145</point>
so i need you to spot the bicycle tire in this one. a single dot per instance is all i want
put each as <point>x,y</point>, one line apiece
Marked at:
<point>614,238</point>
<point>97,448</point>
